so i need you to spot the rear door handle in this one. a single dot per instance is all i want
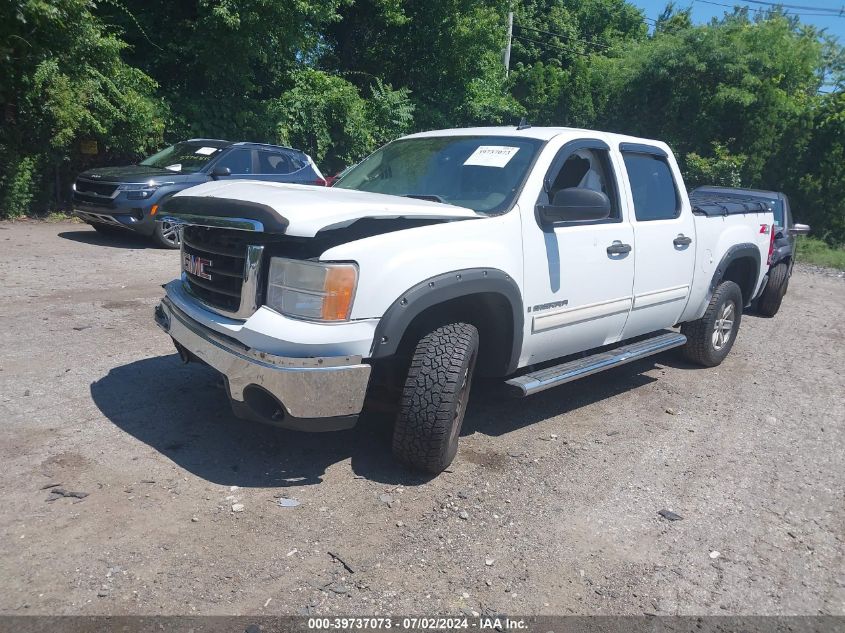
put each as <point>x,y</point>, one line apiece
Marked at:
<point>618,248</point>
<point>682,240</point>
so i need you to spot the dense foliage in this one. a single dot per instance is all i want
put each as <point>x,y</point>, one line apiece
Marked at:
<point>743,101</point>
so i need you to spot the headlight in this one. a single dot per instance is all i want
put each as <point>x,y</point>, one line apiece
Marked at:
<point>140,190</point>
<point>311,290</point>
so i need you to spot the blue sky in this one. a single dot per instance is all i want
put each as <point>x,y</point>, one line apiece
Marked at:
<point>703,11</point>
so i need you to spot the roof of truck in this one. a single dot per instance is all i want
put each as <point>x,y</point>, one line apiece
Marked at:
<point>541,133</point>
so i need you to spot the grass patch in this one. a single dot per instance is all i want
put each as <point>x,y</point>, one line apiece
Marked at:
<point>812,250</point>
<point>59,216</point>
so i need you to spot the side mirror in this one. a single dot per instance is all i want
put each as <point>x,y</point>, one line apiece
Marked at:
<point>799,229</point>
<point>220,172</point>
<point>575,205</point>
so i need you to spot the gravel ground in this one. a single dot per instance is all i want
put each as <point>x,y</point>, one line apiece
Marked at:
<point>551,506</point>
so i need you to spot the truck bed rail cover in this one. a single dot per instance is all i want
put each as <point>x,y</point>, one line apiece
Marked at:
<point>711,204</point>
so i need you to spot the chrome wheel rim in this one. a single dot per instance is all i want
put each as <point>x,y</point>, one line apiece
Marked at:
<point>724,326</point>
<point>170,232</point>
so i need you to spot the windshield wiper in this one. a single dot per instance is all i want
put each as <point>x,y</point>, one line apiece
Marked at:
<point>424,196</point>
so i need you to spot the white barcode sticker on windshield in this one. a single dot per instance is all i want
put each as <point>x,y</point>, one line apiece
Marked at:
<point>491,156</point>
<point>206,151</point>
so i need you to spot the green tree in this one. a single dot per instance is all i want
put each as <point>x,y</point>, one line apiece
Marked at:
<point>740,83</point>
<point>722,168</point>
<point>447,52</point>
<point>62,79</point>
<point>816,180</point>
<point>327,117</point>
<point>220,62</point>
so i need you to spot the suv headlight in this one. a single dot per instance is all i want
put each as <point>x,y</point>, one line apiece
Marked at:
<point>139,191</point>
<point>311,290</point>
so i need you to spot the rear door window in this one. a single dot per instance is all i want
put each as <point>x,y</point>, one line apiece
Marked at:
<point>280,163</point>
<point>652,187</point>
<point>239,162</point>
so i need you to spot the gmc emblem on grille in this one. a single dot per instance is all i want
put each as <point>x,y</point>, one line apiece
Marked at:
<point>196,266</point>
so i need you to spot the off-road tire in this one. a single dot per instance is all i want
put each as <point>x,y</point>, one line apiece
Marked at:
<point>162,236</point>
<point>769,302</point>
<point>701,347</point>
<point>435,397</point>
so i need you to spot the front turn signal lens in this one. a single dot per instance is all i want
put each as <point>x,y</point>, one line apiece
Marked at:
<point>340,290</point>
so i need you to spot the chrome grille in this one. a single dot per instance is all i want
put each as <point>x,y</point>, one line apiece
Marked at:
<point>220,268</point>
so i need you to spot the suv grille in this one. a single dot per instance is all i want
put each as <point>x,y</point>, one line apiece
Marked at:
<point>221,254</point>
<point>104,189</point>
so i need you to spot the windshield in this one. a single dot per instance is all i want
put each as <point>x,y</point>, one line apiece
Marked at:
<point>482,173</point>
<point>183,157</point>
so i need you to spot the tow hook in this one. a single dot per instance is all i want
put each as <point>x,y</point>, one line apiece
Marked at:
<point>184,354</point>
<point>162,318</point>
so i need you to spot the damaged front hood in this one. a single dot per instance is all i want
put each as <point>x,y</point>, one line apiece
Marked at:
<point>302,210</point>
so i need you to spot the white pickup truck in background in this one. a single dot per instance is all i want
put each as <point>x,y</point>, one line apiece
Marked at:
<point>496,251</point>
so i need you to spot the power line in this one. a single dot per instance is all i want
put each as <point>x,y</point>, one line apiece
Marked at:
<point>571,51</point>
<point>564,37</point>
<point>740,6</point>
<point>802,7</point>
<point>541,43</point>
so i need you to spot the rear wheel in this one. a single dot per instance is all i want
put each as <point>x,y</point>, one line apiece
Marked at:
<point>769,302</point>
<point>435,397</point>
<point>710,338</point>
<point>167,235</point>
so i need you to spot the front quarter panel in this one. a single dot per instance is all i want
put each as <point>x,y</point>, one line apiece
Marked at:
<point>391,263</point>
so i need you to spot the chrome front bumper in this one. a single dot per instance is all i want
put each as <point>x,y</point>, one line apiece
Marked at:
<point>311,393</point>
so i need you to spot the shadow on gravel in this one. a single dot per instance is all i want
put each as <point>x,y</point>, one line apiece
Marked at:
<point>182,412</point>
<point>493,413</point>
<point>124,239</point>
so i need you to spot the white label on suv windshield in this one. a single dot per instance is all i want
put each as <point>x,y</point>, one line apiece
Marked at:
<point>206,151</point>
<point>491,156</point>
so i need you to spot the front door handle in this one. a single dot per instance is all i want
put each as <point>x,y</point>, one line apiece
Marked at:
<point>618,248</point>
<point>682,240</point>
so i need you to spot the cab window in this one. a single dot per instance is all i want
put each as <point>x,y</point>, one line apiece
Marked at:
<point>587,168</point>
<point>652,187</point>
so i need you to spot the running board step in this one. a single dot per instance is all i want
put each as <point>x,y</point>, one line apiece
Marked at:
<point>542,379</point>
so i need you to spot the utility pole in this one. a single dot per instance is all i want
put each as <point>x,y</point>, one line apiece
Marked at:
<point>508,48</point>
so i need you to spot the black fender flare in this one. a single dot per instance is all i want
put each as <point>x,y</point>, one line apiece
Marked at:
<point>734,253</point>
<point>440,289</point>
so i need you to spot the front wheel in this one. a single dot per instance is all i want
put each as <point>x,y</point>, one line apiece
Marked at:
<point>435,397</point>
<point>710,338</point>
<point>167,235</point>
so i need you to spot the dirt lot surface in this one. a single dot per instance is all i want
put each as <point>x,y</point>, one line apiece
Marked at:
<point>550,507</point>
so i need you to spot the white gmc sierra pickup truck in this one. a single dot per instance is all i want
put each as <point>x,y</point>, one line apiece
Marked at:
<point>495,251</point>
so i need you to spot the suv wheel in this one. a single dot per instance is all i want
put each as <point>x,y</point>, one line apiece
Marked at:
<point>167,235</point>
<point>435,397</point>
